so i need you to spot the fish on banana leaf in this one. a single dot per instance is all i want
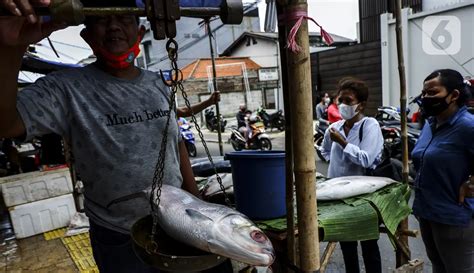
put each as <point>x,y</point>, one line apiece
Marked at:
<point>350,186</point>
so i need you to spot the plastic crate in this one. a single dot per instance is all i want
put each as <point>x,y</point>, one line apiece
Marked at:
<point>42,216</point>
<point>35,186</point>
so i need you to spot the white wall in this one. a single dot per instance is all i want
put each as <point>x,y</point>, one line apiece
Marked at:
<point>418,63</point>
<point>264,53</point>
<point>437,4</point>
<point>229,104</point>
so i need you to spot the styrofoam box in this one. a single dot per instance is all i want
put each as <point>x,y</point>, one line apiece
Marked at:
<point>42,216</point>
<point>34,186</point>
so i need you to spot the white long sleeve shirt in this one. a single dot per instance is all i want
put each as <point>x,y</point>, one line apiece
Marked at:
<point>358,155</point>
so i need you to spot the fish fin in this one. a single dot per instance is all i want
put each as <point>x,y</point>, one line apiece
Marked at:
<point>214,246</point>
<point>141,194</point>
<point>197,215</point>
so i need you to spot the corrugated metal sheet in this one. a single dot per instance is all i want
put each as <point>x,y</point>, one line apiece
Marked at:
<point>369,15</point>
<point>362,61</point>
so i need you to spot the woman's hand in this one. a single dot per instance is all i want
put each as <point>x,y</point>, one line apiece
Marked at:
<point>466,190</point>
<point>337,137</point>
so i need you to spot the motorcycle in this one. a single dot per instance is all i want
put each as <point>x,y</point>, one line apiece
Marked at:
<point>211,120</point>
<point>390,115</point>
<point>319,137</point>
<point>188,137</point>
<point>275,120</point>
<point>258,140</point>
<point>392,135</point>
<point>390,123</point>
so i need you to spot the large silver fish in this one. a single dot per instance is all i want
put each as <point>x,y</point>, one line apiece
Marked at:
<point>212,187</point>
<point>211,227</point>
<point>349,186</point>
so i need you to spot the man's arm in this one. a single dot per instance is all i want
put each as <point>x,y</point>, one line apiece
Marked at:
<point>11,125</point>
<point>189,183</point>
<point>16,33</point>
<point>198,107</point>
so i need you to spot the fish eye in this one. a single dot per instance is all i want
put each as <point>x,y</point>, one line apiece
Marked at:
<point>258,236</point>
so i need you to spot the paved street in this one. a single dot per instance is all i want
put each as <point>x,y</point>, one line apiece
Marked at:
<point>336,265</point>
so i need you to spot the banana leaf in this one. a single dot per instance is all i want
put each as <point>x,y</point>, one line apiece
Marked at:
<point>357,218</point>
<point>391,203</point>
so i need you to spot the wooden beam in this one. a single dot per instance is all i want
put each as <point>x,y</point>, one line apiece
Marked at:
<point>299,75</point>
<point>407,232</point>
<point>327,255</point>
<point>414,266</point>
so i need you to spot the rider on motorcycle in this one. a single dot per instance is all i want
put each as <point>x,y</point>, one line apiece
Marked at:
<point>242,124</point>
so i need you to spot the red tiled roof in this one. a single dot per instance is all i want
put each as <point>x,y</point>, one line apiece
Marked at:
<point>225,67</point>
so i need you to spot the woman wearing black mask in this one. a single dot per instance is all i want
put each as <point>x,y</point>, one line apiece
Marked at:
<point>444,187</point>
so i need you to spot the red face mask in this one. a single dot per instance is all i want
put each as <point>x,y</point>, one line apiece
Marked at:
<point>118,61</point>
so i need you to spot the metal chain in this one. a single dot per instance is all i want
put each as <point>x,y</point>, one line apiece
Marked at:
<point>201,136</point>
<point>176,84</point>
<point>172,48</point>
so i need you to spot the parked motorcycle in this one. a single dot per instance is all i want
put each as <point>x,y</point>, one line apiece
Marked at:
<point>275,120</point>
<point>188,136</point>
<point>211,120</point>
<point>390,122</point>
<point>319,137</point>
<point>392,135</point>
<point>390,115</point>
<point>259,140</point>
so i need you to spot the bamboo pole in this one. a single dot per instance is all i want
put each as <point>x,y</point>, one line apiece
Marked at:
<point>290,208</point>
<point>403,255</point>
<point>299,75</point>
<point>214,83</point>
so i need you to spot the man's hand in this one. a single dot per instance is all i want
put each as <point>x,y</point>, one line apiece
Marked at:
<point>215,97</point>
<point>466,190</point>
<point>24,27</point>
<point>337,137</point>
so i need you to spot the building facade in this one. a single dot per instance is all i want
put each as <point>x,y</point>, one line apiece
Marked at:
<point>263,48</point>
<point>193,40</point>
<point>425,49</point>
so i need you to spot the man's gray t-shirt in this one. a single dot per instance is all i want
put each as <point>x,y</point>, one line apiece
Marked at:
<point>320,110</point>
<point>115,128</point>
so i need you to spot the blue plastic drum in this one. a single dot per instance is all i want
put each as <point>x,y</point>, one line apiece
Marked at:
<point>259,183</point>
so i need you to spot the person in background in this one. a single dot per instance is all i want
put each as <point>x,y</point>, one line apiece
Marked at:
<point>333,110</point>
<point>416,116</point>
<point>349,155</point>
<point>242,121</point>
<point>444,186</point>
<point>322,106</point>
